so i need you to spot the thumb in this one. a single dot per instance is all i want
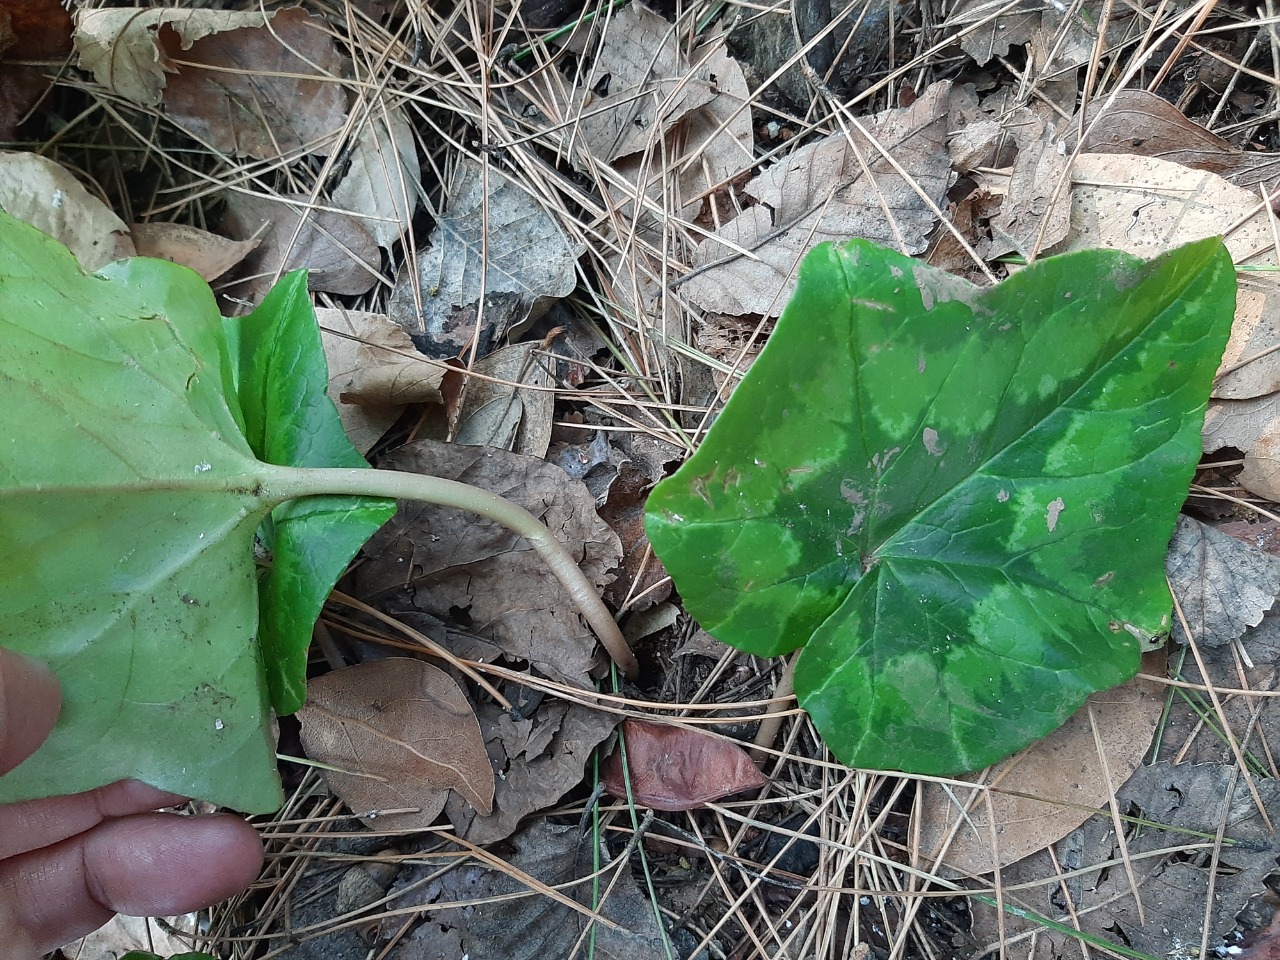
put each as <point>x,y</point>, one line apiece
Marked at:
<point>29,703</point>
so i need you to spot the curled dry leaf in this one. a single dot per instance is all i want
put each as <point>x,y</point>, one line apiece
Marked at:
<point>678,768</point>
<point>539,759</point>
<point>1040,794</point>
<point>497,412</point>
<point>823,191</point>
<point>339,254</point>
<point>405,735</point>
<point>372,372</point>
<point>46,195</point>
<point>495,239</point>
<point>1223,585</point>
<point>383,182</point>
<point>206,253</point>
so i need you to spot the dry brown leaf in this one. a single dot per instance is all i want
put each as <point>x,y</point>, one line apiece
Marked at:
<point>678,768</point>
<point>649,84</point>
<point>822,192</point>
<point>1253,428</point>
<point>372,373</point>
<point>235,82</point>
<point>498,413</point>
<point>1137,121</point>
<point>206,253</point>
<point>1029,220</point>
<point>1042,793</point>
<point>405,735</point>
<point>540,758</point>
<point>474,573</point>
<point>337,252</point>
<point>486,912</point>
<point>383,183</point>
<point>1223,585</point>
<point>123,50</point>
<point>44,194</point>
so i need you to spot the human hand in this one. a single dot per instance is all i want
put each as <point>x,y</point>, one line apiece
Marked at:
<point>68,864</point>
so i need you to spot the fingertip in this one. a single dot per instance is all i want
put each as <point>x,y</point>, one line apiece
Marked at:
<point>30,699</point>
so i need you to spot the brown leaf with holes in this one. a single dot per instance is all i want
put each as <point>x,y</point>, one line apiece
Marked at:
<point>677,768</point>
<point>405,735</point>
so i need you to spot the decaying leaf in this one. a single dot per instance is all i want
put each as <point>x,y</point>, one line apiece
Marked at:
<point>539,759</point>
<point>648,82</point>
<point>1042,793</point>
<point>515,921</point>
<point>383,182</point>
<point>473,573</point>
<point>1222,584</point>
<point>338,253</point>
<point>29,30</point>
<point>497,412</point>
<point>496,238</point>
<point>832,189</point>
<point>44,194</point>
<point>373,372</point>
<point>1194,801</point>
<point>1036,214</point>
<point>1138,121</point>
<point>206,253</point>
<point>404,735</point>
<point>678,768</point>
<point>232,80</point>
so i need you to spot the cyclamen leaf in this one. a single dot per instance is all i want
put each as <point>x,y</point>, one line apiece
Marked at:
<point>129,499</point>
<point>290,421</point>
<point>958,500</point>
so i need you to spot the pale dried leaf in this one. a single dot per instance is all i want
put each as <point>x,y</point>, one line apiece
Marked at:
<point>474,573</point>
<point>372,372</point>
<point>1030,219</point>
<point>1146,206</point>
<point>337,252</point>
<point>404,733</point>
<point>262,92</point>
<point>122,47</point>
<point>494,238</point>
<point>123,934</point>
<point>678,768</point>
<point>650,86</point>
<point>541,757</point>
<point>44,194</point>
<point>1138,121</point>
<point>1223,585</point>
<point>1253,428</point>
<point>1042,793</point>
<point>823,192</point>
<point>383,182</point>
<point>206,253</point>
<point>498,413</point>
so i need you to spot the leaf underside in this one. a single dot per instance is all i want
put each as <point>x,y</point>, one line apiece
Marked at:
<point>129,500</point>
<point>956,499</point>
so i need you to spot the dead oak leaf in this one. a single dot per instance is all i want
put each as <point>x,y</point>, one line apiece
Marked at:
<point>403,735</point>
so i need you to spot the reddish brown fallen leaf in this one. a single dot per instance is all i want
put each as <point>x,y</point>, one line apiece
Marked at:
<point>676,768</point>
<point>29,30</point>
<point>405,735</point>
